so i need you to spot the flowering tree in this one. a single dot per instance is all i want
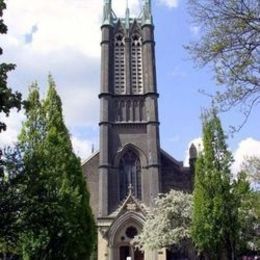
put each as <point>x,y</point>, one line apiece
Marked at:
<point>168,222</point>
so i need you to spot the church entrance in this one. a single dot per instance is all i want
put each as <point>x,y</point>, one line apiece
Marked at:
<point>128,253</point>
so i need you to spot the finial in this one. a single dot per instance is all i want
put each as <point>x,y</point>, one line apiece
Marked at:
<point>107,13</point>
<point>127,16</point>
<point>147,12</point>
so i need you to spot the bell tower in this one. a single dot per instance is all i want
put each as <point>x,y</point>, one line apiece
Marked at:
<point>129,125</point>
<point>130,168</point>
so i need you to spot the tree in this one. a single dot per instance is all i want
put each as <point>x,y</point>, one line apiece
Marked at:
<point>248,202</point>
<point>168,222</point>
<point>215,224</point>
<point>252,167</point>
<point>31,145</point>
<point>59,222</point>
<point>8,99</point>
<point>230,42</point>
<point>11,202</point>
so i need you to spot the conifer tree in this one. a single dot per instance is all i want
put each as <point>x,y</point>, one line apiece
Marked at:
<point>80,229</point>
<point>215,218</point>
<point>59,222</point>
<point>31,144</point>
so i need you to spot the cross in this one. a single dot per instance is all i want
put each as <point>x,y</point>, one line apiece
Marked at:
<point>130,189</point>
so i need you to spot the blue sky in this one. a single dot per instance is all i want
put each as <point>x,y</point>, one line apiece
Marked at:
<point>62,37</point>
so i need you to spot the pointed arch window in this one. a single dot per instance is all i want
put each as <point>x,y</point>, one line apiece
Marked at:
<point>136,64</point>
<point>130,174</point>
<point>119,63</point>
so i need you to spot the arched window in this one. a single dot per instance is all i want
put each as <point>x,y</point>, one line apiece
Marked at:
<point>130,174</point>
<point>136,64</point>
<point>119,63</point>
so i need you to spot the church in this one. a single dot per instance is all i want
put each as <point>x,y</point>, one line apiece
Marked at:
<point>130,169</point>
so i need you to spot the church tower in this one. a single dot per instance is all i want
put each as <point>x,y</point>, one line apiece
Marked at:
<point>129,126</point>
<point>130,168</point>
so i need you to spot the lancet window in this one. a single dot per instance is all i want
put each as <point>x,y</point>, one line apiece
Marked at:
<point>136,64</point>
<point>119,64</point>
<point>130,174</point>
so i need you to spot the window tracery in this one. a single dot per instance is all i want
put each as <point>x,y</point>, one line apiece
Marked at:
<point>136,64</point>
<point>119,63</point>
<point>130,174</point>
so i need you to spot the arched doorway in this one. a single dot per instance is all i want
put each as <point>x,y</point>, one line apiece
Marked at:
<point>126,249</point>
<point>128,252</point>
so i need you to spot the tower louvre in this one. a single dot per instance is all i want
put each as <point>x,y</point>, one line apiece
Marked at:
<point>130,168</point>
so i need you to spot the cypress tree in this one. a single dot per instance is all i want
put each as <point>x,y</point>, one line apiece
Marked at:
<point>79,235</point>
<point>31,143</point>
<point>58,218</point>
<point>215,218</point>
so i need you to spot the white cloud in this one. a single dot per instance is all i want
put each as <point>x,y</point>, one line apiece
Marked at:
<point>169,3</point>
<point>14,123</point>
<point>83,148</point>
<point>246,148</point>
<point>61,24</point>
<point>65,43</point>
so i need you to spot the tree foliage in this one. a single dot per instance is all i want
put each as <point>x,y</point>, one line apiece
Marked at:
<point>10,169</point>
<point>58,219</point>
<point>230,41</point>
<point>215,224</point>
<point>168,222</point>
<point>11,201</point>
<point>248,215</point>
<point>8,98</point>
<point>252,167</point>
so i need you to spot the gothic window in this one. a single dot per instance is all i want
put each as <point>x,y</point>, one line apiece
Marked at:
<point>130,174</point>
<point>119,64</point>
<point>136,64</point>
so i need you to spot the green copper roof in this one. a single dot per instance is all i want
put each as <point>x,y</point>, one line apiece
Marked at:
<point>109,17</point>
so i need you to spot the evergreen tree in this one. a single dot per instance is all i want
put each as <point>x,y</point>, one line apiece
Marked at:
<point>59,222</point>
<point>80,229</point>
<point>215,224</point>
<point>31,143</point>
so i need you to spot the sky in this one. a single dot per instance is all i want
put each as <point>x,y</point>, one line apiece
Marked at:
<point>62,37</point>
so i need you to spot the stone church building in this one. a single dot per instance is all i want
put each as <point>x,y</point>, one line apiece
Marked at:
<point>130,168</point>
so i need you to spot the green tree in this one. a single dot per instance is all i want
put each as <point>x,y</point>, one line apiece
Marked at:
<point>59,222</point>
<point>230,42</point>
<point>248,202</point>
<point>11,202</point>
<point>9,183</point>
<point>168,222</point>
<point>215,225</point>
<point>8,98</point>
<point>31,143</point>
